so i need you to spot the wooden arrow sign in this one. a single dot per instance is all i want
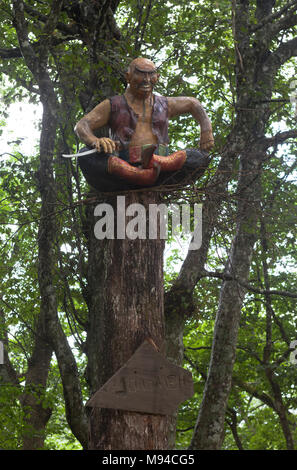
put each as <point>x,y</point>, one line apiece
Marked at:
<point>147,383</point>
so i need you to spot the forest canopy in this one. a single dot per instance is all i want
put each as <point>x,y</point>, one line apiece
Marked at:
<point>230,306</point>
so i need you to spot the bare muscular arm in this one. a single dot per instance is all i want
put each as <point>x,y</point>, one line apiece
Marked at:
<point>188,105</point>
<point>92,121</point>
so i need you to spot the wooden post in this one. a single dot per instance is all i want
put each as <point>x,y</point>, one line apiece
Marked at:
<point>126,307</point>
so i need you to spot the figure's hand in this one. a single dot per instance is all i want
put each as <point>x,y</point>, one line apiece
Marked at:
<point>105,144</point>
<point>206,140</point>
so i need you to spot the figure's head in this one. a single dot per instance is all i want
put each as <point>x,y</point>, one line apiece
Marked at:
<point>142,75</point>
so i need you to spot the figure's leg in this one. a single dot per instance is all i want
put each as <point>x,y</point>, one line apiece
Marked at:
<point>173,162</point>
<point>109,173</point>
<point>106,172</point>
<point>95,170</point>
<point>132,174</point>
<point>184,166</point>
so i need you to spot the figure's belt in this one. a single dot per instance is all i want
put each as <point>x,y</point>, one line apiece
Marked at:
<point>135,154</point>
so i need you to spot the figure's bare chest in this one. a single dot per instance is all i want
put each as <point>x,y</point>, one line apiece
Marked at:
<point>143,112</point>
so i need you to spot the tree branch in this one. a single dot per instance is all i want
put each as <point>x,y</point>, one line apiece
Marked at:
<point>279,138</point>
<point>229,277</point>
<point>281,55</point>
<point>49,27</point>
<point>22,32</point>
<point>288,22</point>
<point>68,29</point>
<point>75,411</point>
<point>253,392</point>
<point>233,426</point>
<point>14,53</point>
<point>32,51</point>
<point>269,19</point>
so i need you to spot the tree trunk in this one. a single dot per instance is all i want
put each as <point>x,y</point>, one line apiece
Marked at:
<point>280,407</point>
<point>209,430</point>
<point>36,415</point>
<point>126,307</point>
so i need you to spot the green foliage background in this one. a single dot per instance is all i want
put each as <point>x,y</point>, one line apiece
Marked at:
<point>192,43</point>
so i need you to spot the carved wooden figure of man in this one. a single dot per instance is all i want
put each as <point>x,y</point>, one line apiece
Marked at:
<point>136,153</point>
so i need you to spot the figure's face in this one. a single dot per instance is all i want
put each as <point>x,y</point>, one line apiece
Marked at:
<point>142,78</point>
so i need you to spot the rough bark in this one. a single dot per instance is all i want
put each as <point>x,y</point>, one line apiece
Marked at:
<point>126,307</point>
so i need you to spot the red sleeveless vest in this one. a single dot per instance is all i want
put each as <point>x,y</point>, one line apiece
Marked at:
<point>123,120</point>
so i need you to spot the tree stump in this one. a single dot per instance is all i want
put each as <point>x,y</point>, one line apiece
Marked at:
<point>126,307</point>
